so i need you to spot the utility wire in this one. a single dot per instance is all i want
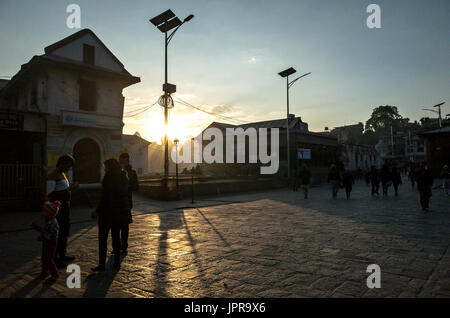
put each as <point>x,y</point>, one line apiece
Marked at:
<point>238,121</point>
<point>139,111</point>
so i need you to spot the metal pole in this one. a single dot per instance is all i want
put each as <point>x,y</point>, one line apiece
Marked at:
<point>287,129</point>
<point>440,118</point>
<point>392,141</point>
<point>166,115</point>
<point>192,188</point>
<point>176,164</point>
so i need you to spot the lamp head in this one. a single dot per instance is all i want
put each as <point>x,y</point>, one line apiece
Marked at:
<point>188,18</point>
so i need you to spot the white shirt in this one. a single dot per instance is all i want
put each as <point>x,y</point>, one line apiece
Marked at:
<point>59,185</point>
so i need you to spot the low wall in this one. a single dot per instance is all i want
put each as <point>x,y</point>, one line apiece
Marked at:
<point>214,188</point>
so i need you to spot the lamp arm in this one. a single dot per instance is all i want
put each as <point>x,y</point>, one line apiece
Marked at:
<point>292,82</point>
<point>173,32</point>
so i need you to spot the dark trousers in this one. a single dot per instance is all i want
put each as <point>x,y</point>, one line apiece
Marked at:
<point>103,231</point>
<point>348,190</point>
<point>396,188</point>
<point>424,200</point>
<point>63,218</point>
<point>48,258</point>
<point>124,230</point>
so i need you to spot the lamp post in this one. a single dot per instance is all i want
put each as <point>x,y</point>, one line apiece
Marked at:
<point>437,111</point>
<point>176,161</point>
<point>165,22</point>
<point>286,74</point>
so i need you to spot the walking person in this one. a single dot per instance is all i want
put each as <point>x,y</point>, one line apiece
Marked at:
<point>424,186</point>
<point>305,179</point>
<point>386,179</point>
<point>335,179</point>
<point>374,180</point>
<point>348,181</point>
<point>133,183</point>
<point>396,179</point>
<point>59,189</point>
<point>112,211</point>
<point>445,175</point>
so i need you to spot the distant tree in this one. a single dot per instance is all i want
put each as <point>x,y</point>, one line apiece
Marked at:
<point>383,118</point>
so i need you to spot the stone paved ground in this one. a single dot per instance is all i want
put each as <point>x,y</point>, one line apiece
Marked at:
<point>266,244</point>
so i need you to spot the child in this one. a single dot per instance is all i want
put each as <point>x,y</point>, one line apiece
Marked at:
<point>49,235</point>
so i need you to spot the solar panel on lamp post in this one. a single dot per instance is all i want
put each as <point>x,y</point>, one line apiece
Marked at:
<point>286,74</point>
<point>165,22</point>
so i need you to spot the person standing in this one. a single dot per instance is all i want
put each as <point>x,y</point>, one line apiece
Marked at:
<point>374,180</point>
<point>112,211</point>
<point>335,179</point>
<point>124,160</point>
<point>348,181</point>
<point>396,179</point>
<point>305,179</point>
<point>424,186</point>
<point>59,189</point>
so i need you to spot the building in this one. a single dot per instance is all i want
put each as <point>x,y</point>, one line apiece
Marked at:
<point>321,148</point>
<point>137,148</point>
<point>67,100</point>
<point>438,145</point>
<point>354,154</point>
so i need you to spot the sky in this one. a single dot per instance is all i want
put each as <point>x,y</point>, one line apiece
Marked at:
<point>226,59</point>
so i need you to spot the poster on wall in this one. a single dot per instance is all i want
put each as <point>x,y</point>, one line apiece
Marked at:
<point>304,153</point>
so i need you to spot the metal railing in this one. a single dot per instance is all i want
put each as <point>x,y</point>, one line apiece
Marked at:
<point>19,181</point>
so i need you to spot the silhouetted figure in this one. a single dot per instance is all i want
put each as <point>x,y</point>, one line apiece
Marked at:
<point>412,175</point>
<point>112,211</point>
<point>374,180</point>
<point>424,186</point>
<point>305,179</point>
<point>359,173</point>
<point>124,160</point>
<point>59,189</point>
<point>295,176</point>
<point>367,177</point>
<point>396,179</point>
<point>386,179</point>
<point>335,179</point>
<point>348,180</point>
<point>48,236</point>
<point>445,175</point>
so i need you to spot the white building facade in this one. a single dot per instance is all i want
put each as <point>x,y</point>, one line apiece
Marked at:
<point>72,96</point>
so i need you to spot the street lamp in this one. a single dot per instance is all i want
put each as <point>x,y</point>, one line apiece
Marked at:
<point>286,74</point>
<point>165,22</point>
<point>176,160</point>
<point>437,111</point>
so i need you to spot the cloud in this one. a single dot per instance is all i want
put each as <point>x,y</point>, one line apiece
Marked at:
<point>223,109</point>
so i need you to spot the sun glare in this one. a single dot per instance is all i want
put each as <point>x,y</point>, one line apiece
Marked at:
<point>156,129</point>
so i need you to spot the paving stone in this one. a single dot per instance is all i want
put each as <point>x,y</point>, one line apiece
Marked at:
<point>261,244</point>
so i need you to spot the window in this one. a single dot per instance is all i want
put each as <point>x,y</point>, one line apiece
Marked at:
<point>88,54</point>
<point>87,96</point>
<point>33,93</point>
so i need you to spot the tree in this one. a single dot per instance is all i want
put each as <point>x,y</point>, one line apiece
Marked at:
<point>383,118</point>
